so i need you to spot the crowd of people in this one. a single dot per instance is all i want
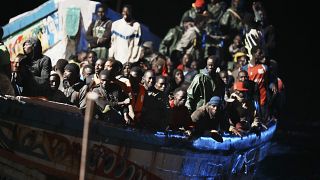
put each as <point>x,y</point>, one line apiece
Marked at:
<point>214,72</point>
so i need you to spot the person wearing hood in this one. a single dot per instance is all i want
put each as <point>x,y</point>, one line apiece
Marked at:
<point>99,33</point>
<point>35,69</point>
<point>205,85</point>
<point>74,88</point>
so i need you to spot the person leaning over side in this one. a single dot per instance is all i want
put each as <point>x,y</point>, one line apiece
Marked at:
<point>209,120</point>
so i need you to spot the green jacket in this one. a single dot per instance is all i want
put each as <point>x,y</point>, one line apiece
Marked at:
<point>169,42</point>
<point>202,88</point>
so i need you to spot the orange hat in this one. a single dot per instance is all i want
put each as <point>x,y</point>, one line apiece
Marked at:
<point>239,86</point>
<point>198,3</point>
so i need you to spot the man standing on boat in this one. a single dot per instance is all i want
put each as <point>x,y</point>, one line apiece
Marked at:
<point>125,38</point>
<point>205,85</point>
<point>99,33</point>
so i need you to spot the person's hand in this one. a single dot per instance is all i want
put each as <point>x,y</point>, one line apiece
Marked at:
<point>106,109</point>
<point>126,101</point>
<point>273,88</point>
<point>236,132</point>
<point>188,132</point>
<point>216,136</point>
<point>99,41</point>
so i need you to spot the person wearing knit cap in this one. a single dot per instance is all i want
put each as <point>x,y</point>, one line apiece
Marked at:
<point>198,4</point>
<point>209,119</point>
<point>74,89</point>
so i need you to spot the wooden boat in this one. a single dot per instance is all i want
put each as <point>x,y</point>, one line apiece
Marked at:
<point>42,139</point>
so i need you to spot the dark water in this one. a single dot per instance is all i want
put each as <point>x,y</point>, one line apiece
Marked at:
<point>294,154</point>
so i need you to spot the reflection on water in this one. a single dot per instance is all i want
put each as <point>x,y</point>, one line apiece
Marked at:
<point>294,154</point>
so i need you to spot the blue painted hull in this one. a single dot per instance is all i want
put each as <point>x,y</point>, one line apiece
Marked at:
<point>46,136</point>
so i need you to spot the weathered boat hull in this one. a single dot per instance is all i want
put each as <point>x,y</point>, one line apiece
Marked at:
<point>42,139</point>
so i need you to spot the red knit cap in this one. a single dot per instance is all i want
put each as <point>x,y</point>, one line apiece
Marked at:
<point>198,3</point>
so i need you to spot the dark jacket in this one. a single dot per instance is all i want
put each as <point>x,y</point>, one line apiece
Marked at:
<point>35,69</point>
<point>204,121</point>
<point>99,29</point>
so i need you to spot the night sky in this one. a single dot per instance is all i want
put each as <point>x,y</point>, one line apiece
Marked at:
<point>294,35</point>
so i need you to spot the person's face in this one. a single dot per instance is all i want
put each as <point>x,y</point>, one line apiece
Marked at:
<point>134,77</point>
<point>67,75</point>
<point>242,60</point>
<point>126,14</point>
<point>54,82</point>
<point>15,63</point>
<point>100,13</point>
<point>108,65</point>
<point>187,25</point>
<point>157,68</point>
<point>242,76</point>
<point>104,81</point>
<point>82,57</point>
<point>213,109</point>
<point>161,85</point>
<point>149,79</point>
<point>87,72</point>
<point>194,65</point>
<point>211,66</point>
<point>178,77</point>
<point>126,71</point>
<point>28,47</point>
<point>236,3</point>
<point>259,56</point>
<point>237,40</point>
<point>91,58</point>
<point>147,51</point>
<point>224,77</point>
<point>180,98</point>
<point>98,66</point>
<point>185,59</point>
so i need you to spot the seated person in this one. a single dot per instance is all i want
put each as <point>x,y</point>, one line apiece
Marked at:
<point>54,94</point>
<point>241,112</point>
<point>180,118</point>
<point>112,101</point>
<point>74,88</point>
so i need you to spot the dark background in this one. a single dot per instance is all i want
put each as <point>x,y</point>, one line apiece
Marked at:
<point>296,143</point>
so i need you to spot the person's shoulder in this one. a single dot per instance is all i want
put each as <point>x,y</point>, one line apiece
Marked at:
<point>136,24</point>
